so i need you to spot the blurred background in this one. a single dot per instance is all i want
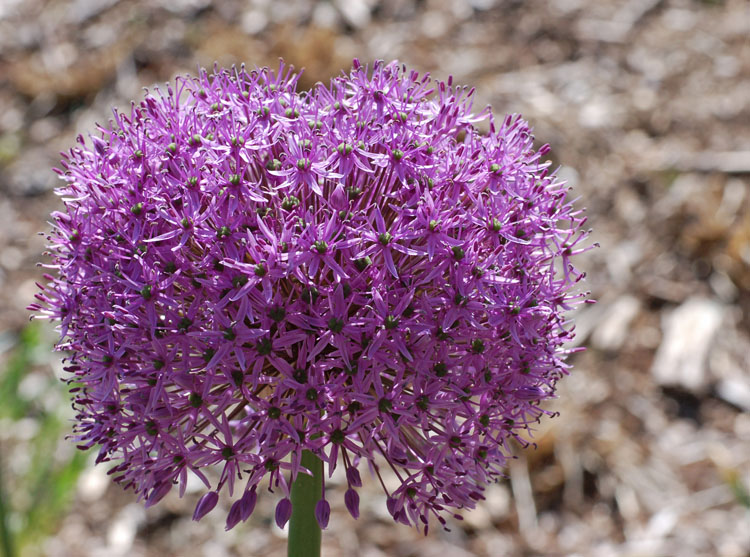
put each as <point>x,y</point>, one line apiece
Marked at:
<point>646,105</point>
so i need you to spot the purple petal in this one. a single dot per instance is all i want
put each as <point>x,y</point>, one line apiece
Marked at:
<point>312,181</point>
<point>331,262</point>
<point>353,477</point>
<point>379,222</point>
<point>235,515</point>
<point>158,493</point>
<point>336,302</point>
<point>402,517</point>
<point>389,263</point>
<point>380,306</point>
<point>393,506</point>
<point>530,393</point>
<point>205,505</point>
<point>322,513</point>
<point>99,145</point>
<point>338,198</point>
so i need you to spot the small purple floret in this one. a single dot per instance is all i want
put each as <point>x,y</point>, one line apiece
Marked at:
<point>322,513</point>
<point>243,272</point>
<point>351,501</point>
<point>247,503</point>
<point>283,512</point>
<point>205,505</point>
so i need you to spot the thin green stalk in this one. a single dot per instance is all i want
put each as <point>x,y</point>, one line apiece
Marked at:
<point>304,532</point>
<point>6,541</point>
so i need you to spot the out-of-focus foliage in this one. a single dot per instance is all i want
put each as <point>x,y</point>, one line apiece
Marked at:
<point>34,411</point>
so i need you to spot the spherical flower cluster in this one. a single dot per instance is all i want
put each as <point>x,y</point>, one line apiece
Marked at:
<point>244,272</point>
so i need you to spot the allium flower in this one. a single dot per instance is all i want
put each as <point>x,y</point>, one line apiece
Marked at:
<point>244,272</point>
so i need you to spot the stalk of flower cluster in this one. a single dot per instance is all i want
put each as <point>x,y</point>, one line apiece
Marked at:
<point>304,530</point>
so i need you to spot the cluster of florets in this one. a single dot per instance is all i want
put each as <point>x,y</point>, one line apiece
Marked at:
<point>244,272</point>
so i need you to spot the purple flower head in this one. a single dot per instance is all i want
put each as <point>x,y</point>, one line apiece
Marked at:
<point>243,272</point>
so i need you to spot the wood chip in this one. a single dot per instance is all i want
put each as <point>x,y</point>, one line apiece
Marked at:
<point>682,356</point>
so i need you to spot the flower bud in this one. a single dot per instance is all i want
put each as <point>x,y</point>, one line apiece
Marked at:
<point>205,505</point>
<point>322,513</point>
<point>283,512</point>
<point>351,500</point>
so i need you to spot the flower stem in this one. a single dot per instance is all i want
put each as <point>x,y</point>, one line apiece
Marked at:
<point>6,541</point>
<point>304,532</point>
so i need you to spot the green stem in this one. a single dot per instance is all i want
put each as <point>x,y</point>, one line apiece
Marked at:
<point>304,532</point>
<point>6,540</point>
